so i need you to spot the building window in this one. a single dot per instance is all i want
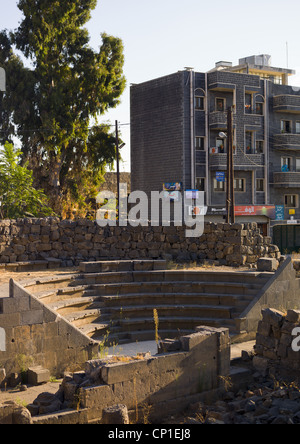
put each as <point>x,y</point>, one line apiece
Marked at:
<point>249,142</point>
<point>298,127</point>
<point>219,186</point>
<point>248,103</point>
<point>259,108</point>
<point>239,185</point>
<point>286,164</point>
<point>286,126</point>
<point>291,200</point>
<point>220,104</point>
<point>260,185</point>
<point>298,165</point>
<point>199,142</point>
<point>199,103</point>
<point>221,145</point>
<point>200,183</point>
<point>259,147</point>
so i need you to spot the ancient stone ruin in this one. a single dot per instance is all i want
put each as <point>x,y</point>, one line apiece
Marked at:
<point>60,326</point>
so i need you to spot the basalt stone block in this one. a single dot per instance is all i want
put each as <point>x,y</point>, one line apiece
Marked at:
<point>38,375</point>
<point>267,264</point>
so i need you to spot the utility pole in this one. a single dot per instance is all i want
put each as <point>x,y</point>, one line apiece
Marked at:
<point>230,201</point>
<point>118,171</point>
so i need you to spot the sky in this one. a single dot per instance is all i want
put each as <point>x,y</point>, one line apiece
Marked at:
<point>161,37</point>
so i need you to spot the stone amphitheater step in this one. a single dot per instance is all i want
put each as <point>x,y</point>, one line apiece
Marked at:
<point>80,318</point>
<point>122,265</point>
<point>176,298</point>
<point>114,300</point>
<point>77,304</point>
<point>46,284</point>
<point>170,276</point>
<point>175,286</point>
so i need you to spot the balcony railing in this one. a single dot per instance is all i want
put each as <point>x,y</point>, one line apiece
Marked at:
<point>288,179</point>
<point>287,141</point>
<point>287,103</point>
<point>218,81</point>
<point>243,162</point>
<point>218,120</point>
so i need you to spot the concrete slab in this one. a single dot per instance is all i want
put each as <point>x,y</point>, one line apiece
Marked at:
<point>4,290</point>
<point>236,349</point>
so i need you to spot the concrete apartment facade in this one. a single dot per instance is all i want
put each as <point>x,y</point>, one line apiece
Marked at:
<point>178,123</point>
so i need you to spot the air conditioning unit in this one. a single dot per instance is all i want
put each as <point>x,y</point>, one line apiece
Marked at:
<point>214,150</point>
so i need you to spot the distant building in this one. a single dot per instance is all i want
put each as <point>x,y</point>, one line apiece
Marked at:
<point>177,123</point>
<point>111,179</point>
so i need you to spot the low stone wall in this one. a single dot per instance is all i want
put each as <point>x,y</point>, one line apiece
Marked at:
<point>74,241</point>
<point>151,387</point>
<point>35,335</point>
<point>274,341</point>
<point>281,293</point>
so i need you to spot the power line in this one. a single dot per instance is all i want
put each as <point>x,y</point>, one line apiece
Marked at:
<point>18,131</point>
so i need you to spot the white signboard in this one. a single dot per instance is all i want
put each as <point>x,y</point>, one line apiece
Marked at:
<point>2,80</point>
<point>2,340</point>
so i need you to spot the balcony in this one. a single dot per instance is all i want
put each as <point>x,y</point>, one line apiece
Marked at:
<point>289,179</point>
<point>241,162</point>
<point>218,81</point>
<point>218,160</point>
<point>218,120</point>
<point>287,103</point>
<point>287,141</point>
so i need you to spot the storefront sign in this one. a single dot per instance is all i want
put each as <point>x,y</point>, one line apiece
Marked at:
<point>255,210</point>
<point>216,211</point>
<point>172,186</point>
<point>220,176</point>
<point>197,211</point>
<point>279,212</point>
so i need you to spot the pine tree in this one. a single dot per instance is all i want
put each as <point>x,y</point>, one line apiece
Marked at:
<point>53,105</point>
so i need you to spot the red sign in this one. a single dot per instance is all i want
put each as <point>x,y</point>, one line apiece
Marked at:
<point>255,210</point>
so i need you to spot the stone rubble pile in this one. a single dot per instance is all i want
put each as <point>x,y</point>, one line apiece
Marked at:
<point>260,404</point>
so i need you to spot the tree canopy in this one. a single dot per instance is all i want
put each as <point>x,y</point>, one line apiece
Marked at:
<point>56,91</point>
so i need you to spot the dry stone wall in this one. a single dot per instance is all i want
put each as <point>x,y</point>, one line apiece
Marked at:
<point>166,383</point>
<point>70,242</point>
<point>274,341</point>
<point>36,335</point>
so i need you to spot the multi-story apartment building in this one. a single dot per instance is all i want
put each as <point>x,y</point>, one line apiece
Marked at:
<point>178,135</point>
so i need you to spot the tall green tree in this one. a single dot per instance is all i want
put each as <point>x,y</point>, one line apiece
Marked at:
<point>56,91</point>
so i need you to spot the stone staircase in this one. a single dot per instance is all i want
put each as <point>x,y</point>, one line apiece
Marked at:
<point>114,301</point>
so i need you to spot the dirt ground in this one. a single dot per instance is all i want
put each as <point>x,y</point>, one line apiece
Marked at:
<point>5,276</point>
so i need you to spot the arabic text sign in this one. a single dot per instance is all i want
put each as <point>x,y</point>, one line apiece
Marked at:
<point>255,210</point>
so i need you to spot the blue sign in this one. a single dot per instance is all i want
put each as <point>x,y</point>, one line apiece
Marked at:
<point>220,177</point>
<point>279,212</point>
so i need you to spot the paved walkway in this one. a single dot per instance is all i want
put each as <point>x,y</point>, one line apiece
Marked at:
<point>151,346</point>
<point>4,290</point>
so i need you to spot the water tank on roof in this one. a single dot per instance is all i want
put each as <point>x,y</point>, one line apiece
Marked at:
<point>261,60</point>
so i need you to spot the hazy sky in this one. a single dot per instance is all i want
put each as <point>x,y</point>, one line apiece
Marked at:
<point>164,36</point>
